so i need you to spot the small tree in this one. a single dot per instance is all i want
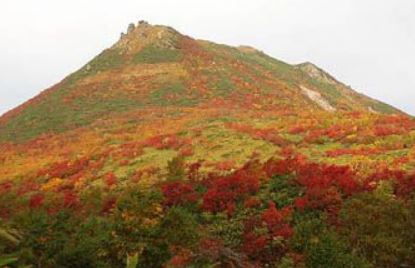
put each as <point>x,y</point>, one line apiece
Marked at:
<point>176,169</point>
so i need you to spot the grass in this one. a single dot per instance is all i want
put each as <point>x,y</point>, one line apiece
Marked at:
<point>172,94</point>
<point>153,54</point>
<point>224,86</point>
<point>219,144</point>
<point>106,60</point>
<point>52,115</point>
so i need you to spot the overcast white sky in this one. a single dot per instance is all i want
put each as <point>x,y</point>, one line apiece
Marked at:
<point>368,44</point>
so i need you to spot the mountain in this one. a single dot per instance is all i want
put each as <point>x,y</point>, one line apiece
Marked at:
<point>166,151</point>
<point>156,66</point>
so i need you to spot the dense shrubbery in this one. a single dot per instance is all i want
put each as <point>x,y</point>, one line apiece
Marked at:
<point>282,213</point>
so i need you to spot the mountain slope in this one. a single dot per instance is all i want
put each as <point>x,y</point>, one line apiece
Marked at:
<point>155,66</point>
<point>172,152</point>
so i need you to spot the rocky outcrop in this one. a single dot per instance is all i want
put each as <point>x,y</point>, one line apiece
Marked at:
<point>140,35</point>
<point>317,98</point>
<point>130,28</point>
<point>316,73</point>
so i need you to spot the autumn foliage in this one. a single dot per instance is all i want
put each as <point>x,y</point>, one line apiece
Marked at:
<point>179,152</point>
<point>223,192</point>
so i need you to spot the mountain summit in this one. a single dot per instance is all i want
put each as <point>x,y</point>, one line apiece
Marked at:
<point>154,66</point>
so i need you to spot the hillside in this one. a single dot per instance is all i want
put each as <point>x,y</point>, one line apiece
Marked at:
<point>155,66</point>
<point>176,152</point>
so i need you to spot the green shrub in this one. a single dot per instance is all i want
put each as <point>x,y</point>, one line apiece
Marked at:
<point>179,227</point>
<point>322,246</point>
<point>380,227</point>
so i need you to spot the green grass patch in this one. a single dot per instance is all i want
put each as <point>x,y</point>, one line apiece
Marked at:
<point>153,54</point>
<point>172,94</point>
<point>52,115</point>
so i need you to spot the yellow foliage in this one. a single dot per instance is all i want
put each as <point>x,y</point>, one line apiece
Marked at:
<point>52,184</point>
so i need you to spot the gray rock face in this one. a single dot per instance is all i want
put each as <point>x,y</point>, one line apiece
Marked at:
<point>131,27</point>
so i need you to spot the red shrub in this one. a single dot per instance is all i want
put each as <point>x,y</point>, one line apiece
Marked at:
<point>324,176</point>
<point>324,187</point>
<point>301,203</point>
<point>283,167</point>
<point>276,221</point>
<point>386,130</point>
<point>65,169</point>
<point>211,248</point>
<point>314,136</point>
<point>36,201</point>
<point>297,129</point>
<point>354,115</point>
<point>268,134</point>
<point>223,192</point>
<point>338,132</point>
<point>181,259</point>
<point>5,186</point>
<point>124,162</point>
<point>335,132</point>
<point>193,173</point>
<point>254,244</point>
<point>70,200</point>
<point>400,161</point>
<point>186,151</point>
<point>108,205</point>
<point>131,150</point>
<point>397,122</point>
<point>26,187</point>
<point>252,202</point>
<point>178,193</point>
<point>260,246</point>
<point>405,186</point>
<point>328,200</point>
<point>110,179</point>
<point>225,165</point>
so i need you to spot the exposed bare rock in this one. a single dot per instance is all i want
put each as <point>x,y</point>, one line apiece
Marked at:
<point>370,109</point>
<point>317,73</point>
<point>144,34</point>
<point>131,28</point>
<point>318,99</point>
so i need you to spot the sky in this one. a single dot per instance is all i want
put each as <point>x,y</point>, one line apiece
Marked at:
<point>367,44</point>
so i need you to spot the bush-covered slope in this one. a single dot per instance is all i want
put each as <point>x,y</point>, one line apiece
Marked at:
<point>165,151</point>
<point>155,66</point>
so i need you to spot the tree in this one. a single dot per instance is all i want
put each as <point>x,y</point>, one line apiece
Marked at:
<point>176,169</point>
<point>380,227</point>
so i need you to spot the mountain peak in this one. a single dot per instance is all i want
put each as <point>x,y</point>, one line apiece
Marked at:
<point>144,34</point>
